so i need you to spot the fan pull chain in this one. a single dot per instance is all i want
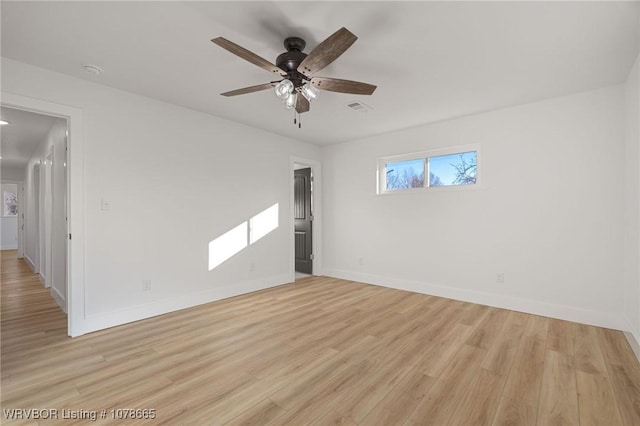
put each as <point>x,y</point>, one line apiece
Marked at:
<point>297,120</point>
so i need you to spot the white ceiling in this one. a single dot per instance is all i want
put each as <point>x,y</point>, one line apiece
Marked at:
<point>22,136</point>
<point>431,60</point>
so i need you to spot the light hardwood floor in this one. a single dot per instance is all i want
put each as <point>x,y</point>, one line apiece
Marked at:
<point>320,351</point>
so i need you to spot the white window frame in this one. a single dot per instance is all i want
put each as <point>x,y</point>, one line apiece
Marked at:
<point>381,183</point>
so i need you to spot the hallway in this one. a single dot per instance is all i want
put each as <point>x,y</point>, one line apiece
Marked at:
<point>30,319</point>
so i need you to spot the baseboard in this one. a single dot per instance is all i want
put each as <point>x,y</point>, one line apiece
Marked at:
<point>59,298</point>
<point>30,263</point>
<point>633,337</point>
<point>8,247</point>
<point>136,313</point>
<point>568,313</point>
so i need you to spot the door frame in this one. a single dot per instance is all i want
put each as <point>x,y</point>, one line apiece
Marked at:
<point>37,261</point>
<point>316,202</point>
<point>74,201</point>
<point>47,209</point>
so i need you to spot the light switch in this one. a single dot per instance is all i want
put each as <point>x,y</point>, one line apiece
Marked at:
<point>105,205</point>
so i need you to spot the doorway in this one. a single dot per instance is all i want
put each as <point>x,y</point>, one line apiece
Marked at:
<point>52,219</point>
<point>30,141</point>
<point>313,255</point>
<point>303,220</point>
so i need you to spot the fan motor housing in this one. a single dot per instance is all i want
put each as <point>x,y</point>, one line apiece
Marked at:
<point>289,61</point>
<point>292,58</point>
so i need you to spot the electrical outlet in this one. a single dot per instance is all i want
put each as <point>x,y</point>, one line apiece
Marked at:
<point>252,267</point>
<point>146,285</point>
<point>500,277</point>
<point>361,261</point>
<point>105,205</point>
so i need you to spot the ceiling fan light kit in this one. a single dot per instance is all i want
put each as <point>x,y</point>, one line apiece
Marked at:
<point>284,88</point>
<point>297,69</point>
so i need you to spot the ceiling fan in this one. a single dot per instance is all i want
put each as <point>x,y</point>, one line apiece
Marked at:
<point>298,86</point>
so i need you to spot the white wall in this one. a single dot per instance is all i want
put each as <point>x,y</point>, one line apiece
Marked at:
<point>174,179</point>
<point>11,173</point>
<point>549,214</point>
<point>632,204</point>
<point>8,224</point>
<point>9,233</point>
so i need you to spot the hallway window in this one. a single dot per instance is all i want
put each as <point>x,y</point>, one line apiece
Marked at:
<point>10,202</point>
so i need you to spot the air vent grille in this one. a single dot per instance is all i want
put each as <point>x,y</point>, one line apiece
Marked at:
<point>359,106</point>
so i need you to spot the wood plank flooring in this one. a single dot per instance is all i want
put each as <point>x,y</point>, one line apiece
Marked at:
<point>320,351</point>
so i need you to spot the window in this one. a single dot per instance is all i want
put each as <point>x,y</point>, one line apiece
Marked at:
<point>9,200</point>
<point>445,168</point>
<point>405,174</point>
<point>453,169</point>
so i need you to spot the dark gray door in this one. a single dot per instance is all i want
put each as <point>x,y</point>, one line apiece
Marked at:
<point>303,219</point>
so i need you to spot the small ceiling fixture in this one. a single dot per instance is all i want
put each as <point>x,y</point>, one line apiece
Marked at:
<point>93,69</point>
<point>3,123</point>
<point>298,87</point>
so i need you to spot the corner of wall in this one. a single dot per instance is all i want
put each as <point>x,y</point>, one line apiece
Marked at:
<point>631,311</point>
<point>634,341</point>
<point>30,263</point>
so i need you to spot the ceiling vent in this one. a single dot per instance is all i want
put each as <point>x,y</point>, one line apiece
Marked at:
<point>359,106</point>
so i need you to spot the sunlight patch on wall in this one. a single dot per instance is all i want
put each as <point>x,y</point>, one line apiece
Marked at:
<point>249,232</point>
<point>263,223</point>
<point>227,245</point>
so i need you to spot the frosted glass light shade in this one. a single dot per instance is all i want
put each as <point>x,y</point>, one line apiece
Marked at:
<point>284,89</point>
<point>290,101</point>
<point>309,92</point>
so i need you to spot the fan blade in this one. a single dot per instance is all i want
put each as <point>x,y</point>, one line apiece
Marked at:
<point>343,86</point>
<point>248,55</point>
<point>302,104</point>
<point>250,89</point>
<point>327,51</point>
